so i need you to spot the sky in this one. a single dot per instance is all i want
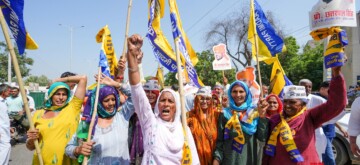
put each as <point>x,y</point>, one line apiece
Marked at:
<point>42,19</point>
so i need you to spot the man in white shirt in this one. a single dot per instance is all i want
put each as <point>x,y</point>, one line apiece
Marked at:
<point>313,102</point>
<point>354,126</point>
<point>5,146</point>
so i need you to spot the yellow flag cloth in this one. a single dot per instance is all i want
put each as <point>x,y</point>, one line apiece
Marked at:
<point>239,140</point>
<point>186,156</point>
<point>334,53</point>
<point>261,32</point>
<point>160,77</point>
<point>30,43</point>
<point>286,139</point>
<point>104,37</point>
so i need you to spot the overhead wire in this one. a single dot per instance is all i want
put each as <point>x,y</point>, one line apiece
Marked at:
<point>207,13</point>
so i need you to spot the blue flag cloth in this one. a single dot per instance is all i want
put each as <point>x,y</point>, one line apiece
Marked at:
<point>160,45</point>
<point>103,63</point>
<point>188,55</point>
<point>268,40</point>
<point>13,13</point>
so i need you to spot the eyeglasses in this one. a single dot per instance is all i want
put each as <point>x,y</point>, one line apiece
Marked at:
<point>205,99</point>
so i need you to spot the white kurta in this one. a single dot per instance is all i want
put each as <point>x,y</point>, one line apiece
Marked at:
<point>354,122</point>
<point>161,144</point>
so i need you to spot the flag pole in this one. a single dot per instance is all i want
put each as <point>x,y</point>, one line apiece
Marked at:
<point>257,52</point>
<point>126,29</point>
<point>92,123</point>
<point>20,82</point>
<point>181,90</point>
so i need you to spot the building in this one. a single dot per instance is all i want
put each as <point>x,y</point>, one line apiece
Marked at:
<point>351,69</point>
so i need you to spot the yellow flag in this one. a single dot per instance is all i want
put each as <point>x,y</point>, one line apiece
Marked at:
<point>30,43</point>
<point>104,37</point>
<point>160,77</point>
<point>262,34</point>
<point>278,79</point>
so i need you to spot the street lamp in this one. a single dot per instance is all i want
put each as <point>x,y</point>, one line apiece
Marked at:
<point>71,29</point>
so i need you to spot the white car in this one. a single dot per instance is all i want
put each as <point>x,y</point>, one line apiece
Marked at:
<point>341,146</point>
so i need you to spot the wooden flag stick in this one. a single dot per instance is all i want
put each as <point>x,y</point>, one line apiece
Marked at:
<point>92,123</point>
<point>127,29</point>
<point>181,90</point>
<point>20,81</point>
<point>257,55</point>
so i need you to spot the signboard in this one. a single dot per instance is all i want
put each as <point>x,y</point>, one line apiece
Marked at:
<point>328,13</point>
<point>222,60</point>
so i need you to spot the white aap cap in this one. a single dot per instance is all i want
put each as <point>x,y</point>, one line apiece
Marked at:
<point>294,92</point>
<point>204,91</point>
<point>152,85</point>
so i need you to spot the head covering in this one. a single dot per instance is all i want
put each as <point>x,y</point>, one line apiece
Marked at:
<point>52,90</point>
<point>152,85</point>
<point>248,98</point>
<point>204,91</point>
<point>171,132</point>
<point>280,107</point>
<point>250,120</point>
<point>294,92</point>
<point>177,106</point>
<point>101,111</point>
<point>218,85</point>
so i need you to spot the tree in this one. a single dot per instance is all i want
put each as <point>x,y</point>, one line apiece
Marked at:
<point>205,72</point>
<point>232,31</point>
<point>41,80</point>
<point>308,65</point>
<point>24,63</point>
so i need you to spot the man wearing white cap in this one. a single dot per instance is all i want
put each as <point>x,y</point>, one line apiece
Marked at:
<point>292,138</point>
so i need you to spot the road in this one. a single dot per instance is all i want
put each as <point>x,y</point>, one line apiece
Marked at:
<point>20,155</point>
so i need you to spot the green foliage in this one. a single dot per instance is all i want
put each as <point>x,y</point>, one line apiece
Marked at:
<point>41,80</point>
<point>308,64</point>
<point>24,63</point>
<point>205,72</point>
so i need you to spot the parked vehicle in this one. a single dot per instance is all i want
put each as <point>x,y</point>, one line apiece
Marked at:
<point>18,127</point>
<point>341,145</point>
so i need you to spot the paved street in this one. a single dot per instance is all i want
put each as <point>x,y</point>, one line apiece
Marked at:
<point>20,155</point>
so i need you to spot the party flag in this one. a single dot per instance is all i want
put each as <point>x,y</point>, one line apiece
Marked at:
<point>160,77</point>
<point>188,55</point>
<point>13,13</point>
<point>278,79</point>
<point>104,37</point>
<point>261,31</point>
<point>161,47</point>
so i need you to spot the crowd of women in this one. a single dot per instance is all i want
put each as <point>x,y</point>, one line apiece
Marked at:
<point>145,126</point>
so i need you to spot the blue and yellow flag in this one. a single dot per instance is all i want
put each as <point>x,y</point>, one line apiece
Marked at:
<point>161,47</point>
<point>104,37</point>
<point>188,55</point>
<point>13,13</point>
<point>261,31</point>
<point>278,79</point>
<point>334,54</point>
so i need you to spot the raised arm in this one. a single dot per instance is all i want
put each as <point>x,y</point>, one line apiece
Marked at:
<point>134,53</point>
<point>81,81</point>
<point>140,101</point>
<point>336,101</point>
